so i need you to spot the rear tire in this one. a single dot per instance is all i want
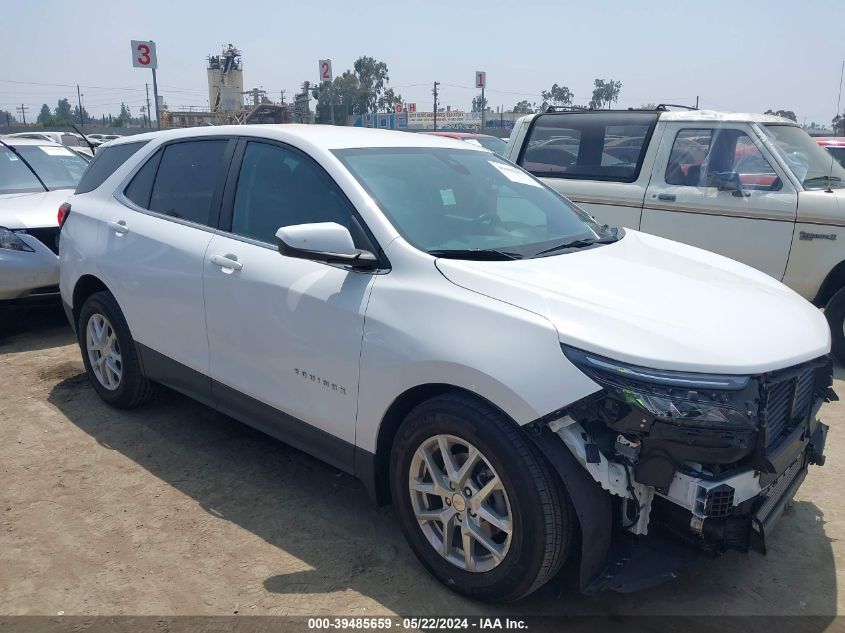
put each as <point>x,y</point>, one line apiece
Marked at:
<point>834,311</point>
<point>109,353</point>
<point>530,500</point>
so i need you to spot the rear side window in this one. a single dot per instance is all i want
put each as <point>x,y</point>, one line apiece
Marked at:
<point>105,163</point>
<point>588,145</point>
<point>181,180</point>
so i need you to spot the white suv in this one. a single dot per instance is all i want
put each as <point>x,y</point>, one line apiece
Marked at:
<point>519,380</point>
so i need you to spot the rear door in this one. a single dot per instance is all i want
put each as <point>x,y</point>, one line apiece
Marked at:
<point>154,242</point>
<point>595,159</point>
<point>716,187</point>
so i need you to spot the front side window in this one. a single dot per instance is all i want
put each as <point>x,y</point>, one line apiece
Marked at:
<point>588,145</point>
<point>280,187</point>
<point>443,199</point>
<point>187,177</point>
<point>813,166</point>
<point>58,168</point>
<point>714,157</point>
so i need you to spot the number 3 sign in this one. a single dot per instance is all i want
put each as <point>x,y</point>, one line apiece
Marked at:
<point>144,54</point>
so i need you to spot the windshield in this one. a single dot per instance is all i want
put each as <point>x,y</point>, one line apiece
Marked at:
<point>808,161</point>
<point>443,199</point>
<point>57,166</point>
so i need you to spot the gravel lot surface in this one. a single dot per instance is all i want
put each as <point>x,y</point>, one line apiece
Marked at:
<point>174,509</point>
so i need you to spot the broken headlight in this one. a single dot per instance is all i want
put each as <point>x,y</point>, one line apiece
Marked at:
<point>677,397</point>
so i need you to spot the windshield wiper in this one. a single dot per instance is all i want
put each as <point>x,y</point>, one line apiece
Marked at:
<point>582,243</point>
<point>492,254</point>
<point>14,151</point>
<point>822,179</point>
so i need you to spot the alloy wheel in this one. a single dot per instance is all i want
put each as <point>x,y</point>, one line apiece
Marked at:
<point>103,351</point>
<point>460,503</point>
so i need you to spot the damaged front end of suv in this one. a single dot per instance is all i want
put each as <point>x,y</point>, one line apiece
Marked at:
<point>688,463</point>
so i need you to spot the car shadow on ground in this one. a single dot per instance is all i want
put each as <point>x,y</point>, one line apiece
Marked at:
<point>325,518</point>
<point>35,325</point>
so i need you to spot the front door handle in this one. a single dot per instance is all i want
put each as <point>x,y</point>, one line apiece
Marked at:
<point>227,261</point>
<point>119,227</point>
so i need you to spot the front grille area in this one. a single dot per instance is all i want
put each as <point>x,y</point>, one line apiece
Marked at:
<point>774,492</point>
<point>786,404</point>
<point>48,236</point>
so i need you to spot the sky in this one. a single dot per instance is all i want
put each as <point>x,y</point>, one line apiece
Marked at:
<point>739,55</point>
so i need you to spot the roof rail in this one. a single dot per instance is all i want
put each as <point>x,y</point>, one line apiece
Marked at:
<point>558,108</point>
<point>666,106</point>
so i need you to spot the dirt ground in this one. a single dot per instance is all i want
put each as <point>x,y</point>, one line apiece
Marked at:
<point>174,509</point>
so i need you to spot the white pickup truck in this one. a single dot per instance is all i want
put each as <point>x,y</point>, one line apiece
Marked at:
<point>752,187</point>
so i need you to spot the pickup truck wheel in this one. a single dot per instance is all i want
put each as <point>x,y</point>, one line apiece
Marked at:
<point>109,354</point>
<point>835,313</point>
<point>477,503</point>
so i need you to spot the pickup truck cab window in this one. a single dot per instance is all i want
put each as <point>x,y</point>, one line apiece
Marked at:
<point>715,157</point>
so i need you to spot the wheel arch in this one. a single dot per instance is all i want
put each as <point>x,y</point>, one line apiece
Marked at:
<point>833,282</point>
<point>85,286</point>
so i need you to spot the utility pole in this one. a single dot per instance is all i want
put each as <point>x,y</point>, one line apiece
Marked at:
<point>149,123</point>
<point>79,100</point>
<point>23,110</point>
<point>696,102</point>
<point>155,96</point>
<point>436,83</point>
<point>483,108</point>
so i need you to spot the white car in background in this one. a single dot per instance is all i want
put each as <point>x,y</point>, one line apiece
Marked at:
<point>69,139</point>
<point>36,178</point>
<point>521,381</point>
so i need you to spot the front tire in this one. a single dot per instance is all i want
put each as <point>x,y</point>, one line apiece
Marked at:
<point>109,353</point>
<point>477,503</point>
<point>834,312</point>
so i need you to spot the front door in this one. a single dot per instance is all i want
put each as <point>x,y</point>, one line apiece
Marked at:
<point>714,186</point>
<point>285,333</point>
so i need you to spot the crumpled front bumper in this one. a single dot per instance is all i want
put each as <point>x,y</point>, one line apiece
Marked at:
<point>23,272</point>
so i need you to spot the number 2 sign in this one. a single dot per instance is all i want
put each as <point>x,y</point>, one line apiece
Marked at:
<point>144,54</point>
<point>325,70</point>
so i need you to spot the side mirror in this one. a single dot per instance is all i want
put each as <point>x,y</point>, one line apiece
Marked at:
<point>323,242</point>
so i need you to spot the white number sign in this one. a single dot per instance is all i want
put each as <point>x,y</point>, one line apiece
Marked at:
<point>480,79</point>
<point>325,70</point>
<point>144,54</point>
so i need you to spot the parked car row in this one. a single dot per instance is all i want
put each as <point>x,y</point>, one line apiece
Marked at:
<point>528,385</point>
<point>835,145</point>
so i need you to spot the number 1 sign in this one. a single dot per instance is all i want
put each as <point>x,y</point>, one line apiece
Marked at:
<point>144,54</point>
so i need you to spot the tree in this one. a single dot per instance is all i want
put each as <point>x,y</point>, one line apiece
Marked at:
<point>124,118</point>
<point>345,92</point>
<point>63,115</point>
<point>839,124</point>
<point>605,93</point>
<point>389,100</point>
<point>45,116</point>
<point>7,118</point>
<point>786,114</point>
<point>81,119</point>
<point>478,104</point>
<point>557,95</point>
<point>523,107</point>
<point>372,77</point>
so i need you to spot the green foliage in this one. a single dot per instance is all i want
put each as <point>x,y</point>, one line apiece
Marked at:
<point>7,117</point>
<point>62,115</point>
<point>786,114</point>
<point>389,100</point>
<point>838,123</point>
<point>605,93</point>
<point>478,105</point>
<point>372,76</point>
<point>45,116</point>
<point>523,107</point>
<point>557,95</point>
<point>356,91</point>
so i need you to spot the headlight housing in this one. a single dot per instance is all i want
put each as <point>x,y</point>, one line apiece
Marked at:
<point>9,240</point>
<point>711,401</point>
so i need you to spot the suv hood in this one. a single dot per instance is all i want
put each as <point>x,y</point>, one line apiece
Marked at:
<point>658,303</point>
<point>32,210</point>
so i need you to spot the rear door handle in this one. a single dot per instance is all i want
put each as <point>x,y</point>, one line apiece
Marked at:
<point>668,197</point>
<point>227,261</point>
<point>119,227</point>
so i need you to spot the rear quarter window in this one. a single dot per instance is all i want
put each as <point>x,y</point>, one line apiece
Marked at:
<point>588,145</point>
<point>106,161</point>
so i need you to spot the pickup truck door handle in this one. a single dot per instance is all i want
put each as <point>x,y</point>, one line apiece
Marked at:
<point>227,261</point>
<point>669,197</point>
<point>119,227</point>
